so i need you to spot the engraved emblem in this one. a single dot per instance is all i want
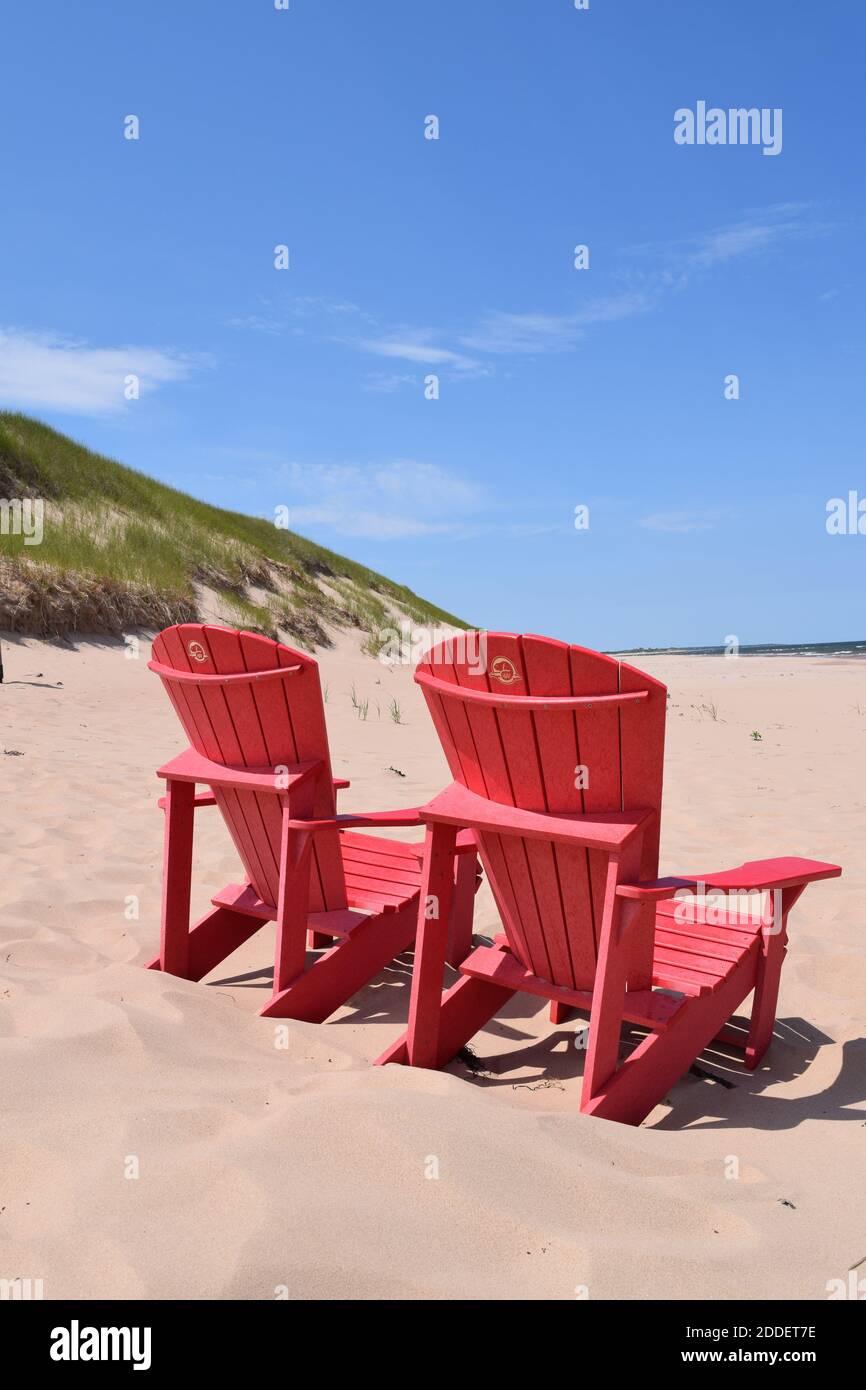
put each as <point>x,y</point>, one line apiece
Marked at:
<point>197,651</point>
<point>504,670</point>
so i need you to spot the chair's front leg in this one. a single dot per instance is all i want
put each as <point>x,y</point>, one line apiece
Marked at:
<point>774,944</point>
<point>431,942</point>
<point>176,878</point>
<point>292,903</point>
<point>608,993</point>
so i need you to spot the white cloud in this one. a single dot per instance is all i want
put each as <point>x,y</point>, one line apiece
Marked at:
<point>527,334</point>
<point>394,500</point>
<point>680,522</point>
<point>469,350</point>
<point>48,371</point>
<point>284,314</point>
<point>354,521</point>
<point>403,497</point>
<point>742,240</point>
<point>755,232</point>
<point>416,347</point>
<point>386,382</point>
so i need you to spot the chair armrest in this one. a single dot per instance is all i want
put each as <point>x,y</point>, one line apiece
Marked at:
<point>201,799</point>
<point>466,844</point>
<point>190,766</point>
<point>606,830</point>
<point>209,799</point>
<point>363,818</point>
<point>653,890</point>
<point>755,875</point>
<point>787,872</point>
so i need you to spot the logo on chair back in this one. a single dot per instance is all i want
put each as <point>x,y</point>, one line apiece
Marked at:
<point>197,651</point>
<point>504,670</point>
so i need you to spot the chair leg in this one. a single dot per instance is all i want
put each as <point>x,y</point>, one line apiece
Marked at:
<point>462,909</point>
<point>214,937</point>
<point>431,944</point>
<point>559,1013</point>
<point>629,1093</point>
<point>176,878</point>
<point>766,998</point>
<point>463,1011</point>
<point>608,996</point>
<point>773,949</point>
<point>316,993</point>
<point>292,903</point>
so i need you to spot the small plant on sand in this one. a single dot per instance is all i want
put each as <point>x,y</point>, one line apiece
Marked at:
<point>363,709</point>
<point>395,712</point>
<point>471,1061</point>
<point>325,690</point>
<point>756,736</point>
<point>710,708</point>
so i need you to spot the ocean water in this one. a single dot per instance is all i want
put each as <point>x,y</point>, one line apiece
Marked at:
<point>759,649</point>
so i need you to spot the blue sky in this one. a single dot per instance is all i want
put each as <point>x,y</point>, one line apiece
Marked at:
<point>604,387</point>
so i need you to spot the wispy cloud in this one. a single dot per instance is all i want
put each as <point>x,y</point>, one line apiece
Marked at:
<point>682,522</point>
<point>48,371</point>
<point>640,289</point>
<point>656,272</point>
<point>415,346</point>
<point>528,334</point>
<point>386,382</point>
<point>293,314</point>
<point>759,231</point>
<point>400,499</point>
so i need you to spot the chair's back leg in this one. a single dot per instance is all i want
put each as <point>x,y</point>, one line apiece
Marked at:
<point>462,909</point>
<point>560,1013</point>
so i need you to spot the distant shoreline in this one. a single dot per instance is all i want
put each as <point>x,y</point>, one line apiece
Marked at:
<point>857,649</point>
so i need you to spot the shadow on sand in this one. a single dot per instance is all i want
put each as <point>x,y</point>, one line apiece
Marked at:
<point>730,1096</point>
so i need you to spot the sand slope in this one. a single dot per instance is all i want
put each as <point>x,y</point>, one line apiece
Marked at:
<point>264,1168</point>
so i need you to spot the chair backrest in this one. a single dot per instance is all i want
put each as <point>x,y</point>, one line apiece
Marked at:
<point>603,755</point>
<point>254,723</point>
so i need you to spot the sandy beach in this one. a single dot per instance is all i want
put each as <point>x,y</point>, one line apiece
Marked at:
<point>156,1143</point>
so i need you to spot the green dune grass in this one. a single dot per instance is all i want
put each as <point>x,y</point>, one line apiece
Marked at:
<point>120,549</point>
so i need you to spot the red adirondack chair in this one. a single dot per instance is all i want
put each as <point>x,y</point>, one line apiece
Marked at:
<point>556,754</point>
<point>253,713</point>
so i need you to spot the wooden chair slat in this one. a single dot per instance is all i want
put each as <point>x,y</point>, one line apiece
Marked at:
<point>548,672</point>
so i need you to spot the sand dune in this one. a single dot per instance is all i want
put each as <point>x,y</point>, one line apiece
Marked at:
<point>303,1170</point>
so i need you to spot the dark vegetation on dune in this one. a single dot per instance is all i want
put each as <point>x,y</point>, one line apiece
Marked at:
<point>121,551</point>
